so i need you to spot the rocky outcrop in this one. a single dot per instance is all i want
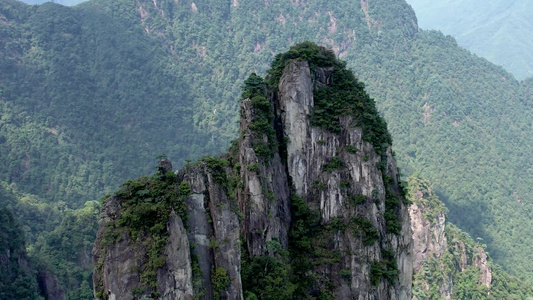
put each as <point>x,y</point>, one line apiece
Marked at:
<point>309,149</point>
<point>210,243</point>
<point>359,244</point>
<point>213,230</point>
<point>442,252</point>
<point>481,262</point>
<point>265,196</point>
<point>428,237</point>
<point>430,242</point>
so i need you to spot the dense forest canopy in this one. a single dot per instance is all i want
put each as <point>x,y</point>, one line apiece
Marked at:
<point>90,94</point>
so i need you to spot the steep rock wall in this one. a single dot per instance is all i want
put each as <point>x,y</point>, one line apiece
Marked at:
<point>194,258</point>
<point>265,196</point>
<point>311,148</point>
<point>118,261</point>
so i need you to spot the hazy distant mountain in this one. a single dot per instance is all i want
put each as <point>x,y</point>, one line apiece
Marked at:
<point>498,30</point>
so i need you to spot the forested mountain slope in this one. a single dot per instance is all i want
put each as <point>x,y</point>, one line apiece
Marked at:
<point>91,94</point>
<point>499,30</point>
<point>17,279</point>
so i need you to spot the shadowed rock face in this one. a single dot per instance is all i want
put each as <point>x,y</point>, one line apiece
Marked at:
<point>268,217</point>
<point>49,286</point>
<point>257,209</point>
<point>210,222</point>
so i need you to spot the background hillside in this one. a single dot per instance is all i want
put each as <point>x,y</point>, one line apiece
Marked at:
<point>498,30</point>
<point>91,94</point>
<point>62,2</point>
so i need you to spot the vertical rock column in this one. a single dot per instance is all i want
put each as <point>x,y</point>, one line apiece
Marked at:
<point>265,196</point>
<point>310,150</point>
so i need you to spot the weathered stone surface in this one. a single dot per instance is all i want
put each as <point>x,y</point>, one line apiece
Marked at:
<point>118,261</point>
<point>429,241</point>
<point>199,229</point>
<point>436,246</point>
<point>428,238</point>
<point>480,261</point>
<point>309,149</point>
<point>227,244</point>
<point>213,229</point>
<point>165,165</point>
<point>265,197</point>
<point>174,279</point>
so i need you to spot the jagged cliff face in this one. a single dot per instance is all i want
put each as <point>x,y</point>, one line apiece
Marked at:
<point>430,241</point>
<point>247,205</point>
<point>443,254</point>
<point>309,148</point>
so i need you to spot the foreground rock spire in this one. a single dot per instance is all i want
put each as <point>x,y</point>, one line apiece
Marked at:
<point>306,204</point>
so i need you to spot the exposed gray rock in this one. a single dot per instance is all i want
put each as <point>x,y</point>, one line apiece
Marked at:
<point>430,242</point>
<point>165,165</point>
<point>444,251</point>
<point>174,279</point>
<point>309,149</point>
<point>265,197</point>
<point>199,229</point>
<point>428,238</point>
<point>480,261</point>
<point>213,229</point>
<point>226,237</point>
<point>118,261</point>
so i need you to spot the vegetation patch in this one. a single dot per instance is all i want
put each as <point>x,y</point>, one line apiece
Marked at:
<point>268,276</point>
<point>344,97</point>
<point>364,228</point>
<point>356,200</point>
<point>220,281</point>
<point>264,139</point>
<point>386,268</point>
<point>351,149</point>
<point>146,206</point>
<point>391,216</point>
<point>335,164</point>
<point>197,279</point>
<point>217,167</point>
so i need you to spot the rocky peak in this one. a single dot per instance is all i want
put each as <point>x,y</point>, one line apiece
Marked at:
<point>307,202</point>
<point>337,174</point>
